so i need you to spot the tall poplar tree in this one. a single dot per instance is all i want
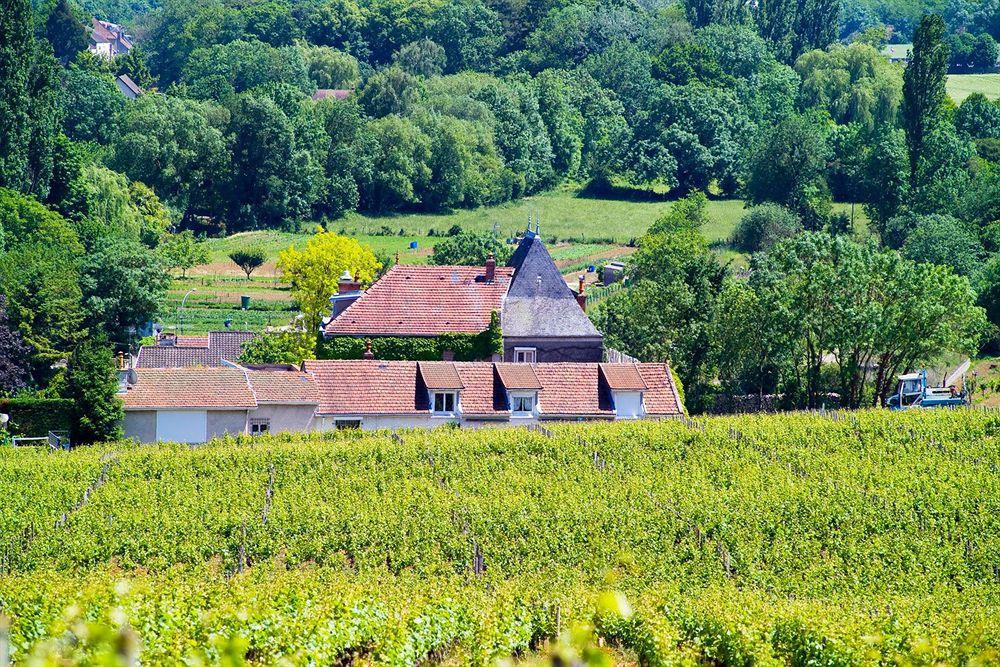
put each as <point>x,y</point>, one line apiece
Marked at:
<point>64,32</point>
<point>924,86</point>
<point>16,37</point>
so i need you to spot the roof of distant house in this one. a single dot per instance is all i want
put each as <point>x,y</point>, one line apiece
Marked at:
<point>335,93</point>
<point>188,351</point>
<point>413,300</point>
<point>127,81</point>
<point>219,388</point>
<point>565,390</point>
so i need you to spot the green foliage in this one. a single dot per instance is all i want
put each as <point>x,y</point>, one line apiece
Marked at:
<point>363,539</point>
<point>924,86</point>
<point>249,259</point>
<point>421,58</point>
<point>16,43</point>
<point>35,417</point>
<point>941,239</point>
<point>763,226</point>
<point>182,251</point>
<point>471,249</point>
<point>92,386</point>
<point>65,32</point>
<point>329,68</point>
<point>283,347</point>
<point>978,117</point>
<point>464,347</point>
<point>787,168</point>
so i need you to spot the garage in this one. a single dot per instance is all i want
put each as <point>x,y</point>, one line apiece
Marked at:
<point>182,425</point>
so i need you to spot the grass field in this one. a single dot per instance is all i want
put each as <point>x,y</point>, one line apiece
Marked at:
<point>960,86</point>
<point>867,538</point>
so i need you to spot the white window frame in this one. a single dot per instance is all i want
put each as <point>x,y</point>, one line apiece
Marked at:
<point>346,424</point>
<point>530,355</point>
<point>514,396</point>
<point>445,395</point>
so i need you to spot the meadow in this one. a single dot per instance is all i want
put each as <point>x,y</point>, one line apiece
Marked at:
<point>838,539</point>
<point>960,86</point>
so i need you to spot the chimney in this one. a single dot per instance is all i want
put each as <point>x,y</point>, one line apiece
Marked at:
<point>581,298</point>
<point>491,268</point>
<point>347,283</point>
<point>368,350</point>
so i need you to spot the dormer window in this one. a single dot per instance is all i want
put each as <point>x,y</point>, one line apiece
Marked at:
<point>522,404</point>
<point>444,401</point>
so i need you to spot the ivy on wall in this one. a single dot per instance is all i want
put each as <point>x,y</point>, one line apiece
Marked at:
<point>464,347</point>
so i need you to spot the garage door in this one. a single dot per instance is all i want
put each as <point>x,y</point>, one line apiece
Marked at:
<point>181,426</point>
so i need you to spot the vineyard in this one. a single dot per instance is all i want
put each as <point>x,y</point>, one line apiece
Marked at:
<point>867,538</point>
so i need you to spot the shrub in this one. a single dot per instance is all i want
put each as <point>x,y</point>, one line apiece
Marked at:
<point>763,226</point>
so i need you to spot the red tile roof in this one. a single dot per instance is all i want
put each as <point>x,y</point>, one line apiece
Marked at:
<point>518,376</point>
<point>623,377</point>
<point>439,375</point>
<point>206,388</point>
<point>425,301</point>
<point>191,351</point>
<point>360,387</point>
<point>568,390</point>
<point>284,387</point>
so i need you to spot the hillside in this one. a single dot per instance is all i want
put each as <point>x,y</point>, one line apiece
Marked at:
<point>860,538</point>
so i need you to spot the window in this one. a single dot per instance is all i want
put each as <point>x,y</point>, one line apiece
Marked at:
<point>444,401</point>
<point>524,355</point>
<point>523,404</point>
<point>343,424</point>
<point>259,426</point>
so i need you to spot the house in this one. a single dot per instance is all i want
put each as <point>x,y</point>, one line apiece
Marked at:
<point>128,87</point>
<point>898,53</point>
<point>193,405</point>
<point>542,319</point>
<point>372,394</point>
<point>173,351</point>
<point>331,93</point>
<point>108,40</point>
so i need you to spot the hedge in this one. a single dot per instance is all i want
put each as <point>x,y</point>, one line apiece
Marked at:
<point>35,417</point>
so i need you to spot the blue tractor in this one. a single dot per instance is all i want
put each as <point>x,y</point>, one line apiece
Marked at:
<point>913,392</point>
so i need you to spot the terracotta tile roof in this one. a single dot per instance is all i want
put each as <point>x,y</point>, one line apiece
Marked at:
<point>660,396</point>
<point>284,387</point>
<point>623,377</point>
<point>425,301</point>
<point>439,375</point>
<point>208,388</point>
<point>518,376</point>
<point>191,351</point>
<point>482,395</point>
<point>368,387</point>
<point>572,390</point>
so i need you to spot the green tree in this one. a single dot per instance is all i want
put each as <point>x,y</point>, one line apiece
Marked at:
<point>93,104</point>
<point>788,168</point>
<point>763,226</point>
<point>942,239</point>
<point>124,284</point>
<point>249,259</point>
<point>978,117</point>
<point>92,384</point>
<point>182,251</point>
<point>329,68</point>
<point>65,32</point>
<point>470,32</point>
<point>280,347</point>
<point>421,58</point>
<point>470,249</point>
<point>885,182</point>
<point>391,91</point>
<point>16,44</point>
<point>924,87</point>
<point>135,66</point>
<point>400,170</point>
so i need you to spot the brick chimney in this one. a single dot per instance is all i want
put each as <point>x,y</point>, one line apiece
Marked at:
<point>581,298</point>
<point>347,283</point>
<point>491,268</point>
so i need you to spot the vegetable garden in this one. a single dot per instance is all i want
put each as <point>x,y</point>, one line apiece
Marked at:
<point>862,538</point>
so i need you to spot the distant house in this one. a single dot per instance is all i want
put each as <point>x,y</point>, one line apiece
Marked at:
<point>193,405</point>
<point>542,319</point>
<point>372,394</point>
<point>213,349</point>
<point>331,93</point>
<point>108,40</point>
<point>898,53</point>
<point>128,87</point>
